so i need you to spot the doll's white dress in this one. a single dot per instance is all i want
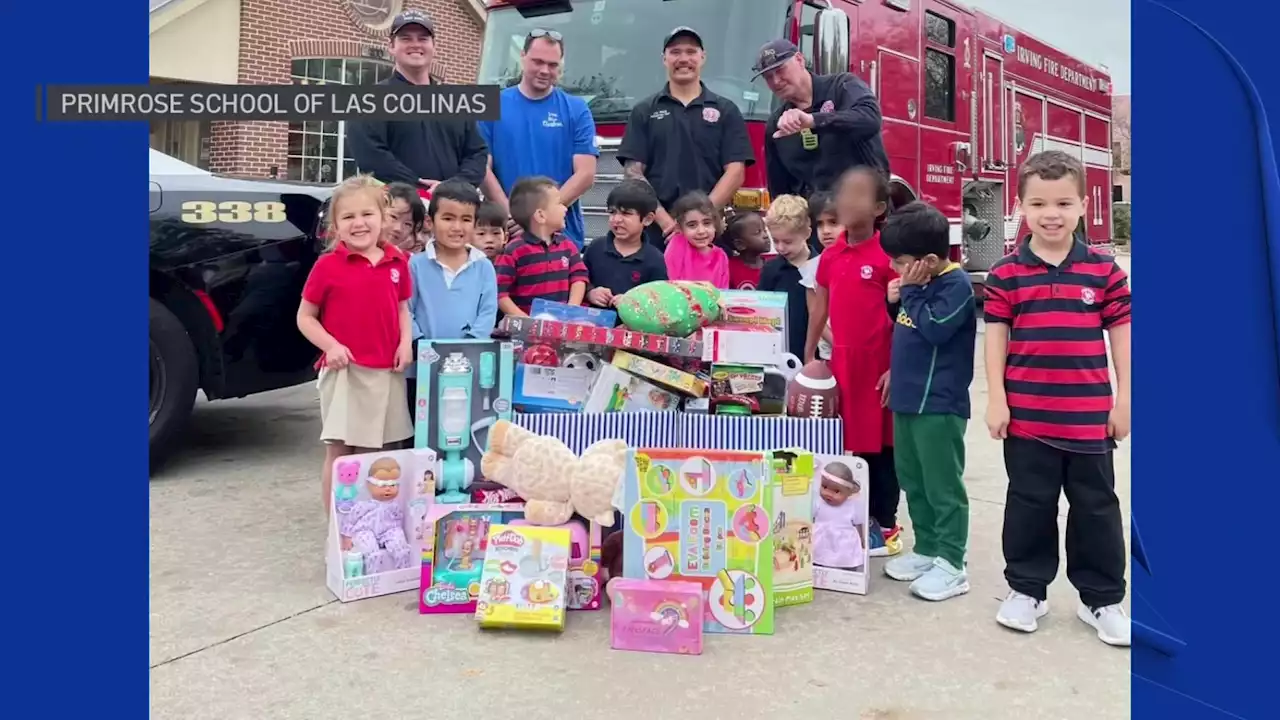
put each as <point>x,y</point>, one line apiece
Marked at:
<point>837,541</point>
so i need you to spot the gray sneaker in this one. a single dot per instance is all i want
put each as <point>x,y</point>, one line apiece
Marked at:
<point>1111,622</point>
<point>1021,612</point>
<point>908,567</point>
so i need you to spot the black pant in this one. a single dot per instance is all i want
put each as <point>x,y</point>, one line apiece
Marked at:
<point>1038,475</point>
<point>885,493</point>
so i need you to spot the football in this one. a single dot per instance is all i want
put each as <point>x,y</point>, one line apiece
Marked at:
<point>812,393</point>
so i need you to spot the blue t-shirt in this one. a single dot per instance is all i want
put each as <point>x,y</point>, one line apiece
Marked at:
<point>540,137</point>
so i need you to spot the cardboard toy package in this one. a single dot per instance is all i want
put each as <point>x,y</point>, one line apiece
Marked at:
<point>616,390</point>
<point>743,309</point>
<point>668,377</point>
<point>525,578</point>
<point>379,504</point>
<point>464,387</point>
<point>530,330</point>
<point>540,388</point>
<point>793,478</point>
<point>543,309</point>
<point>657,616</point>
<point>841,489</point>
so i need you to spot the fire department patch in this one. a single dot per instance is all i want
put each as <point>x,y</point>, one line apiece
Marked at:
<point>867,272</point>
<point>1087,296</point>
<point>710,114</point>
<point>827,106</point>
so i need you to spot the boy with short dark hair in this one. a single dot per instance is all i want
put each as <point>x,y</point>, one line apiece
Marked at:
<point>1050,400</point>
<point>542,262</point>
<point>622,260</point>
<point>931,366</point>
<point>491,229</point>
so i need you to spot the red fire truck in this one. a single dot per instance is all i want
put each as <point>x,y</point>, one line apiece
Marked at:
<point>965,97</point>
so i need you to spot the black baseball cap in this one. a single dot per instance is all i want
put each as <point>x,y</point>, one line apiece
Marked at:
<point>413,17</point>
<point>772,55</point>
<point>682,31</point>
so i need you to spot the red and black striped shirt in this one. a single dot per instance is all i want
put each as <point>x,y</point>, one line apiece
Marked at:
<point>530,268</point>
<point>1056,376</point>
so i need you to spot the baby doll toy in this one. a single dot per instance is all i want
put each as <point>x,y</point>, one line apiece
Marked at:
<point>837,520</point>
<point>374,527</point>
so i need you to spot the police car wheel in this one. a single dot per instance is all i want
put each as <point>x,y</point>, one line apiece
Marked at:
<point>174,379</point>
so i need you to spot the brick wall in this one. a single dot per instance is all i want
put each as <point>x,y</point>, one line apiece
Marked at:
<point>275,32</point>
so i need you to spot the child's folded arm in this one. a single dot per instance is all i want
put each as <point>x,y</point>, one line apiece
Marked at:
<point>939,309</point>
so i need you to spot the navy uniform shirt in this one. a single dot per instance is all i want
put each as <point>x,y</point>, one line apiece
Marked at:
<point>845,135</point>
<point>779,275</point>
<point>933,344</point>
<point>685,147</point>
<point>606,267</point>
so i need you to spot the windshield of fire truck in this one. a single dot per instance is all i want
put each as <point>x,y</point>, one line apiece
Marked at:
<point>613,49</point>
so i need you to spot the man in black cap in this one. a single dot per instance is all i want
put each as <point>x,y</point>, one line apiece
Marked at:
<point>827,124</point>
<point>685,137</point>
<point>419,152</point>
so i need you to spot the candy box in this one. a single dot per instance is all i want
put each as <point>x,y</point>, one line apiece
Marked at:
<point>524,580</point>
<point>656,616</point>
<point>543,309</point>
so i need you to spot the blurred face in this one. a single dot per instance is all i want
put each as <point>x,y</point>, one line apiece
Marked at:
<point>627,225</point>
<point>413,48</point>
<point>489,240</point>
<point>834,494</point>
<point>398,230</point>
<point>1053,208</point>
<point>453,224</point>
<point>791,243</point>
<point>790,81</point>
<point>358,218</point>
<point>553,212</point>
<point>752,238</point>
<point>541,65</point>
<point>856,203</point>
<point>699,229</point>
<point>828,229</point>
<point>683,60</point>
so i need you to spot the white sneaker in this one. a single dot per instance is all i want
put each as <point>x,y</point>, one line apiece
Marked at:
<point>1111,622</point>
<point>908,567</point>
<point>1021,612</point>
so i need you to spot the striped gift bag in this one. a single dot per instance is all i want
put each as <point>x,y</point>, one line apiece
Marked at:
<point>579,431</point>
<point>760,434</point>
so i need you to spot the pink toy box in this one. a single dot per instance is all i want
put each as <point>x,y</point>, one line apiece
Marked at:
<point>657,616</point>
<point>454,548</point>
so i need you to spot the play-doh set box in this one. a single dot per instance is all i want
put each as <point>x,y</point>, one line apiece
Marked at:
<point>464,387</point>
<point>704,517</point>
<point>525,582</point>
<point>455,547</point>
<point>377,510</point>
<point>793,479</point>
<point>657,616</point>
<point>841,490</point>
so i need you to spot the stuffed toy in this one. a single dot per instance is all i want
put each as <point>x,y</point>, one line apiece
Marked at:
<point>552,480</point>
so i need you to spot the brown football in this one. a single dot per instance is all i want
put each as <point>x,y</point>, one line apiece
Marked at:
<point>812,393</point>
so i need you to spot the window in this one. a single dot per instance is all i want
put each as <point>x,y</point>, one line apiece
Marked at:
<point>808,30</point>
<point>939,30</point>
<point>1117,193</point>
<point>939,68</point>
<point>317,151</point>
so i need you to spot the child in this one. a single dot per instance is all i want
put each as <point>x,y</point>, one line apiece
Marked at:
<point>622,260</point>
<point>355,309</point>
<point>491,229</point>
<point>405,216</point>
<point>838,519</point>
<point>541,263</point>
<point>826,228</point>
<point>747,244</point>
<point>691,253</point>
<point>932,368</point>
<point>1059,426</point>
<point>788,222</point>
<point>852,288</point>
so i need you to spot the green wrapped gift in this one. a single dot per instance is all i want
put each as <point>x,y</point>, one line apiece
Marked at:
<point>666,307</point>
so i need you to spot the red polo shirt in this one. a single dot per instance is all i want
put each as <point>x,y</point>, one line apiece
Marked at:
<point>360,302</point>
<point>857,281</point>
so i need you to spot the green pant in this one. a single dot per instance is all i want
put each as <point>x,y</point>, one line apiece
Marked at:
<point>929,457</point>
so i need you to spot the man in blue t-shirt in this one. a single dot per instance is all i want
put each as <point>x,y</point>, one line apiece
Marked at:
<point>543,131</point>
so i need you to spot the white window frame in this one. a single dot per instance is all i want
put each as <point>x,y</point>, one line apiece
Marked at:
<point>307,79</point>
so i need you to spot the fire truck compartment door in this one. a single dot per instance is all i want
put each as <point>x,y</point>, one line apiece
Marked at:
<point>994,122</point>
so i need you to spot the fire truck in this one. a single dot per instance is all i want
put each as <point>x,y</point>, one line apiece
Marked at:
<point>965,97</point>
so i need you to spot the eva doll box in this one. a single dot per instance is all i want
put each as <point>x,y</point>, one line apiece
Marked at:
<point>379,504</point>
<point>841,542</point>
<point>525,577</point>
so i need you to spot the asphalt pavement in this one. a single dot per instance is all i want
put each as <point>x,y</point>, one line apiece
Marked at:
<point>242,625</point>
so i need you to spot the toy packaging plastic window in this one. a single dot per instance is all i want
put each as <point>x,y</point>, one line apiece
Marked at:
<point>524,579</point>
<point>840,493</point>
<point>453,553</point>
<point>656,616</point>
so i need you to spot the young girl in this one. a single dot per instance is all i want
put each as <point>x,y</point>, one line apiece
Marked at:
<point>747,244</point>
<point>355,309</point>
<point>852,289</point>
<point>826,228</point>
<point>838,519</point>
<point>692,254</point>
<point>405,218</point>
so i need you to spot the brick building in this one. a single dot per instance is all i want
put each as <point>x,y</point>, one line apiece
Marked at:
<point>1121,134</point>
<point>281,41</point>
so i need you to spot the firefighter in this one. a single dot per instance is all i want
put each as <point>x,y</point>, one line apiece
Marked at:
<point>685,138</point>
<point>826,124</point>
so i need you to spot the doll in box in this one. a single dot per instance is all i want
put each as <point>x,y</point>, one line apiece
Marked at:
<point>374,527</point>
<point>838,520</point>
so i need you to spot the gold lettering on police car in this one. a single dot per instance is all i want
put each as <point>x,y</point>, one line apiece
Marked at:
<point>201,212</point>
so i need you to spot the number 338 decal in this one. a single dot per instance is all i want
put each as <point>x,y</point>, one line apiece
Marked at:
<point>232,212</point>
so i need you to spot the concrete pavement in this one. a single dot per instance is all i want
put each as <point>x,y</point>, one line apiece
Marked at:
<point>243,627</point>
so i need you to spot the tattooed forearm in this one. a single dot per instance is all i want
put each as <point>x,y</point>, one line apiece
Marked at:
<point>634,170</point>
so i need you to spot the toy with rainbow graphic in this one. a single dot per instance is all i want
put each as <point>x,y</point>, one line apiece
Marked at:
<point>658,617</point>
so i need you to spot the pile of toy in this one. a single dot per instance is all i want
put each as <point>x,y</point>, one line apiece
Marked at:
<point>504,514</point>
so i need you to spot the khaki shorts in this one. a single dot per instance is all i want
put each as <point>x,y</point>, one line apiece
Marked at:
<point>363,408</point>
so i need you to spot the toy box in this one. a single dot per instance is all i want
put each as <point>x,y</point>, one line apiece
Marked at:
<point>616,390</point>
<point>793,478</point>
<point>525,577</point>
<point>706,517</point>
<point>376,520</point>
<point>464,387</point>
<point>840,528</point>
<point>656,616</point>
<point>543,309</point>
<point>541,388</point>
<point>749,389</point>
<point>455,541</point>
<point>730,345</point>
<point>754,308</point>
<point>531,330</point>
<point>664,375</point>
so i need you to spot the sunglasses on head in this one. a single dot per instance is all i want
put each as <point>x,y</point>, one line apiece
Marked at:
<point>549,34</point>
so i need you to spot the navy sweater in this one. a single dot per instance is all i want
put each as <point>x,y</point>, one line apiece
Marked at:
<point>933,344</point>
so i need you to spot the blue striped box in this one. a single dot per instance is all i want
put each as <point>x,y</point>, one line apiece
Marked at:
<point>579,431</point>
<point>761,434</point>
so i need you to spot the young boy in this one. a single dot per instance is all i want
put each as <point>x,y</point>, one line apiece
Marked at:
<point>541,263</point>
<point>852,289</point>
<point>491,229</point>
<point>747,244</point>
<point>788,223</point>
<point>622,260</point>
<point>932,367</point>
<point>455,290</point>
<point>1050,400</point>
